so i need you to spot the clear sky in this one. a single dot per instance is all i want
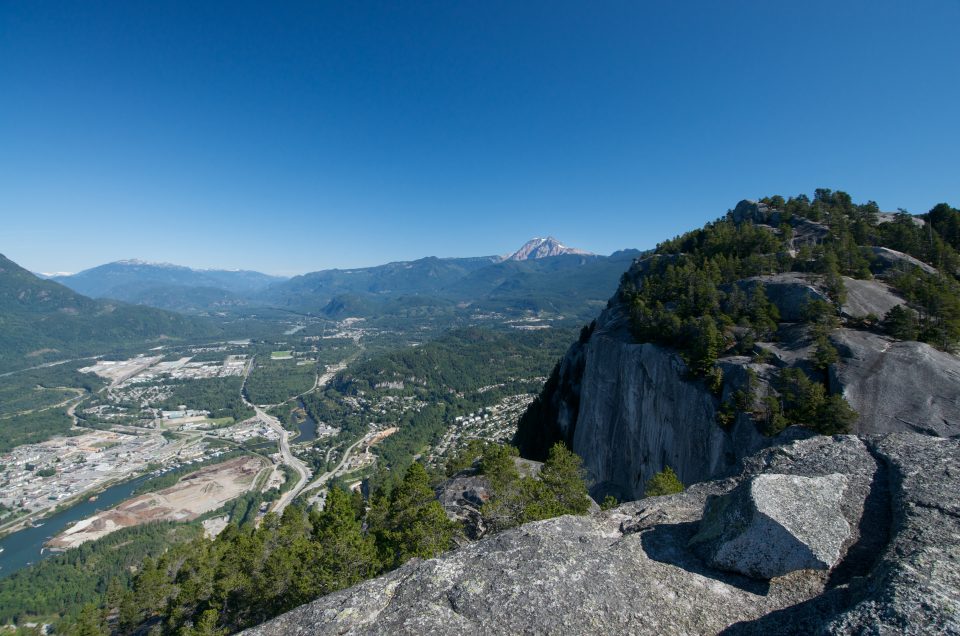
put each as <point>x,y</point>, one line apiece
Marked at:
<point>290,137</point>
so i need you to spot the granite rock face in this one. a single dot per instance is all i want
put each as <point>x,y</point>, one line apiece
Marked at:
<point>897,386</point>
<point>774,524</point>
<point>886,259</point>
<point>630,571</point>
<point>912,586</point>
<point>754,212</point>
<point>865,297</point>
<point>790,292</point>
<point>629,410</point>
<point>639,412</point>
<point>915,588</point>
<point>462,497</point>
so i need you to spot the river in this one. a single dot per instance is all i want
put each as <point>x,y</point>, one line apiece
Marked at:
<point>22,548</point>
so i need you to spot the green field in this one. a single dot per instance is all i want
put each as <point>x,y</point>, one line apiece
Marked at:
<point>281,355</point>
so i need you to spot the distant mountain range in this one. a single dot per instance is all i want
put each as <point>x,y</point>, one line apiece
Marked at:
<point>167,286</point>
<point>41,320</point>
<point>543,275</point>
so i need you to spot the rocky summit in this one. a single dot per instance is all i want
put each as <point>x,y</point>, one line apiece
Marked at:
<point>866,539</point>
<point>630,407</point>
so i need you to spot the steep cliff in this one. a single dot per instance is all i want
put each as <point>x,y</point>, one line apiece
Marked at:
<point>639,412</point>
<point>630,408</point>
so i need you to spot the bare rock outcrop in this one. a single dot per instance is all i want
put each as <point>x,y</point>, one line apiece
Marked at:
<point>631,409</point>
<point>755,212</point>
<point>865,297</point>
<point>630,571</point>
<point>886,259</point>
<point>462,496</point>
<point>771,525</point>
<point>911,584</point>
<point>897,386</point>
<point>790,292</point>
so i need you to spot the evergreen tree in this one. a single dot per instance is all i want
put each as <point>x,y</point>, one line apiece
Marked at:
<point>348,555</point>
<point>706,342</point>
<point>763,314</point>
<point>835,416</point>
<point>901,323</point>
<point>205,626</point>
<point>90,622</point>
<point>559,489</point>
<point>507,505</point>
<point>466,458</point>
<point>609,503</point>
<point>806,403</point>
<point>946,221</point>
<point>415,524</point>
<point>665,482</point>
<point>825,353</point>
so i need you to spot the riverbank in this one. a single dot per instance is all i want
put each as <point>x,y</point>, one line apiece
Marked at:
<point>197,493</point>
<point>26,546</point>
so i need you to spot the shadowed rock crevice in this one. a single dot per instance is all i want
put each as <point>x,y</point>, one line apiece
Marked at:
<point>873,529</point>
<point>797,620</point>
<point>667,543</point>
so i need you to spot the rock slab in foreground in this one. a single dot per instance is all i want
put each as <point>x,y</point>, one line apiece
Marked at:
<point>628,571</point>
<point>774,524</point>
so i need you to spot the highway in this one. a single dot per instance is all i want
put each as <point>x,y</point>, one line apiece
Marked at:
<point>303,472</point>
<point>289,459</point>
<point>325,477</point>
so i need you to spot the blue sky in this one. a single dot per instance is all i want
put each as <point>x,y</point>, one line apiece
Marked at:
<point>290,137</point>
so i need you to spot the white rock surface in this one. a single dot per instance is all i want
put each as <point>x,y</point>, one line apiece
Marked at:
<point>629,571</point>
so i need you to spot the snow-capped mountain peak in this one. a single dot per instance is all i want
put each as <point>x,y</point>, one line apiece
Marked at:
<point>142,263</point>
<point>542,248</point>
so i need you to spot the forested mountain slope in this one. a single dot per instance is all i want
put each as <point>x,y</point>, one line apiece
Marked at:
<point>168,286</point>
<point>563,284</point>
<point>548,277</point>
<point>115,280</point>
<point>42,320</point>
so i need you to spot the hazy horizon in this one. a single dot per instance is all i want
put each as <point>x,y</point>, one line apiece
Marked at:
<point>299,273</point>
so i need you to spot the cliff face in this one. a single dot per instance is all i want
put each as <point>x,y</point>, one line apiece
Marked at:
<point>638,412</point>
<point>629,410</point>
<point>638,569</point>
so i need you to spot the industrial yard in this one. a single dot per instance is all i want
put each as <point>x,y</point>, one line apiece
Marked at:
<point>36,478</point>
<point>199,492</point>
